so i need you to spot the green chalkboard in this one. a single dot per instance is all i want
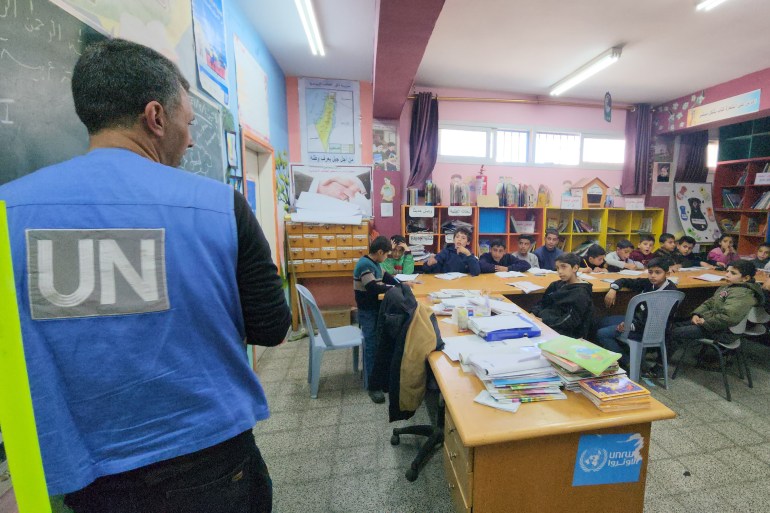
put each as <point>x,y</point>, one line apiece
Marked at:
<point>39,45</point>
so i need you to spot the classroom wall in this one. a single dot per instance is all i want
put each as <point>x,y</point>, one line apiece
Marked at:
<point>580,119</point>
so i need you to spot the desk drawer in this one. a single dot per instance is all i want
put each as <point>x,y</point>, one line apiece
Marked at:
<point>461,456</point>
<point>312,241</point>
<point>360,229</point>
<point>328,239</point>
<point>328,252</point>
<point>312,253</point>
<point>461,502</point>
<point>320,228</point>
<point>313,265</point>
<point>296,253</point>
<point>344,239</point>
<point>345,264</point>
<point>293,228</point>
<point>296,241</point>
<point>329,265</point>
<point>361,240</point>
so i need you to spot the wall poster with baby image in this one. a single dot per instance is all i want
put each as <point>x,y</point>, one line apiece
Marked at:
<point>352,184</point>
<point>662,179</point>
<point>695,211</point>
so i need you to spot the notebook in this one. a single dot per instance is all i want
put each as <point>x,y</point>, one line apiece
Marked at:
<point>591,357</point>
<point>525,286</point>
<point>709,277</point>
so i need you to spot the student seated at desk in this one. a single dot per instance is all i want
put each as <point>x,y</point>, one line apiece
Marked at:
<point>454,257</point>
<point>726,308</point>
<point>525,244</point>
<point>369,281</point>
<point>400,260</point>
<point>762,260</point>
<point>612,326</point>
<point>643,252</point>
<point>723,253</point>
<point>667,247</point>
<point>547,254</point>
<point>566,305</point>
<point>683,256</point>
<point>497,260</point>
<point>593,260</point>
<point>621,258</point>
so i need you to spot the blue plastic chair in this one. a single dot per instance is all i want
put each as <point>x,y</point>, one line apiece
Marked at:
<point>659,305</point>
<point>327,339</point>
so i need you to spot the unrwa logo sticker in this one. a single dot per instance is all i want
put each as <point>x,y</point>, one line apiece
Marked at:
<point>593,460</point>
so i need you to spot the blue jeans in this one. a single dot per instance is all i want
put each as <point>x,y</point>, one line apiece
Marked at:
<point>368,321</point>
<point>230,477</point>
<point>606,333</point>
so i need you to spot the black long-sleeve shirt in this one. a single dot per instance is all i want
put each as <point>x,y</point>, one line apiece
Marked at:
<point>266,315</point>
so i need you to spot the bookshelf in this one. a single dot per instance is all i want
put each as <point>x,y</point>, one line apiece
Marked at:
<point>605,226</point>
<point>508,224</point>
<point>431,219</point>
<point>744,152</point>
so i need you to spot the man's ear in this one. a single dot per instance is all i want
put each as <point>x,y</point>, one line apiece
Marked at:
<point>155,118</point>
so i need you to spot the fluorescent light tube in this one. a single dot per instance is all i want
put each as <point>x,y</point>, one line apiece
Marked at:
<point>310,24</point>
<point>707,5</point>
<point>589,69</point>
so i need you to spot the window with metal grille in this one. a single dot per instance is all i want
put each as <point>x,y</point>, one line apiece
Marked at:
<point>511,146</point>
<point>556,148</point>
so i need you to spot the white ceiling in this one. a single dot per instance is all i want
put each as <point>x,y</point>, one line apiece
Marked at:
<point>524,46</point>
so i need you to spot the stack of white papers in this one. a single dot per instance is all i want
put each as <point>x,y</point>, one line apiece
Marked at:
<point>540,272</point>
<point>510,361</point>
<point>455,347</point>
<point>526,286</point>
<point>486,399</point>
<point>709,277</point>
<point>586,276</point>
<point>461,292</point>
<point>509,274</point>
<point>609,280</point>
<point>498,306</point>
<point>406,277</point>
<point>450,276</point>
<point>631,272</point>
<point>319,208</point>
<point>686,269</point>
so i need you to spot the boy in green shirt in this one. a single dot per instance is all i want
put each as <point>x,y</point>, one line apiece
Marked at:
<point>400,260</point>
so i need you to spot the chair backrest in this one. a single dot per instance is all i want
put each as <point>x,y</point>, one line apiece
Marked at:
<point>758,315</point>
<point>312,312</point>
<point>659,305</point>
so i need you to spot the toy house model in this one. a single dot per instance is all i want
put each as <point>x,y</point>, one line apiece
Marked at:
<point>594,192</point>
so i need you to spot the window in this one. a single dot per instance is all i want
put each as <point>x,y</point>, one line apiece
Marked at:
<point>553,148</point>
<point>712,150</point>
<point>454,142</point>
<point>603,151</point>
<point>511,146</point>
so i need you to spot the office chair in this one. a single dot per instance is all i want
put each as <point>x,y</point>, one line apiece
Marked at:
<point>742,330</point>
<point>433,431</point>
<point>343,337</point>
<point>660,305</point>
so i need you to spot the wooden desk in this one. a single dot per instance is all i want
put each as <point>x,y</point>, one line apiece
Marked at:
<point>501,462</point>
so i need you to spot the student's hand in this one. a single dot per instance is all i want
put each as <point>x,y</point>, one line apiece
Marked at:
<point>766,284</point>
<point>538,318</point>
<point>599,270</point>
<point>403,246</point>
<point>621,327</point>
<point>697,320</point>
<point>609,298</point>
<point>501,268</point>
<point>464,251</point>
<point>720,266</point>
<point>630,266</point>
<point>431,261</point>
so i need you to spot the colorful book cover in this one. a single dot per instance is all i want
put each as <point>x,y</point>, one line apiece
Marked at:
<point>591,357</point>
<point>613,387</point>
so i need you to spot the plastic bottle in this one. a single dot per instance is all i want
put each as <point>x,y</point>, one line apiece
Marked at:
<point>462,318</point>
<point>481,183</point>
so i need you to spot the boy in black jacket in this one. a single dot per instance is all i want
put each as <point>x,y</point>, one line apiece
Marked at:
<point>566,305</point>
<point>684,257</point>
<point>612,326</point>
<point>667,247</point>
<point>497,260</point>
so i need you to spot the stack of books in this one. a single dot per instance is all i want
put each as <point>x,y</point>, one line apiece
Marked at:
<point>580,353</point>
<point>615,393</point>
<point>503,327</point>
<point>763,202</point>
<point>571,374</point>
<point>515,375</point>
<point>731,199</point>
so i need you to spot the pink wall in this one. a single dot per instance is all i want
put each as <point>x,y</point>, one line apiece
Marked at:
<point>671,116</point>
<point>580,119</point>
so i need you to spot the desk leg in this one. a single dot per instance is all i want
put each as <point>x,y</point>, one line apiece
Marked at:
<point>535,476</point>
<point>294,301</point>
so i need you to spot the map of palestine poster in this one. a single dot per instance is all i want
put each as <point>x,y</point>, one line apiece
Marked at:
<point>330,121</point>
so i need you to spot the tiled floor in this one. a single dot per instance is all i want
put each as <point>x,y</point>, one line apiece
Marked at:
<point>333,454</point>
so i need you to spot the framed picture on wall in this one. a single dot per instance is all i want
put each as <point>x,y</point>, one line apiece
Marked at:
<point>232,152</point>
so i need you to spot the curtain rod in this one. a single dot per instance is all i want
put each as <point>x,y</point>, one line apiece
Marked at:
<point>630,108</point>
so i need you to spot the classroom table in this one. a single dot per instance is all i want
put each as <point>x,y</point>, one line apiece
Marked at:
<point>497,461</point>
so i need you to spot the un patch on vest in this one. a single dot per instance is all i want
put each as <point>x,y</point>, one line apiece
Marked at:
<point>89,273</point>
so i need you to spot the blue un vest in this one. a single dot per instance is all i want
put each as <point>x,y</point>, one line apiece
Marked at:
<point>130,315</point>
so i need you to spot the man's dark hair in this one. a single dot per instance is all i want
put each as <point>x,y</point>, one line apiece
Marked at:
<point>570,259</point>
<point>687,239</point>
<point>530,238</point>
<point>623,244</point>
<point>662,262</point>
<point>380,243</point>
<point>594,251</point>
<point>745,267</point>
<point>464,230</point>
<point>551,231</point>
<point>497,243</point>
<point>115,79</point>
<point>764,245</point>
<point>398,239</point>
<point>665,236</point>
<point>646,238</point>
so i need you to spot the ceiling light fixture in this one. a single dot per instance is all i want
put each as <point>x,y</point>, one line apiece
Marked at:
<point>310,24</point>
<point>589,69</point>
<point>707,5</point>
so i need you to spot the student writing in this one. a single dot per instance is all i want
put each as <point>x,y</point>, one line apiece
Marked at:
<point>621,258</point>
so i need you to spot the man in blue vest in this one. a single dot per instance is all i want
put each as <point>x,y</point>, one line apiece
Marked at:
<point>139,285</point>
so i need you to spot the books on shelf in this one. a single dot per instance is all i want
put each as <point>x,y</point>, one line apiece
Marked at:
<point>645,225</point>
<point>727,225</point>
<point>752,225</point>
<point>744,176</point>
<point>763,203</point>
<point>731,199</point>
